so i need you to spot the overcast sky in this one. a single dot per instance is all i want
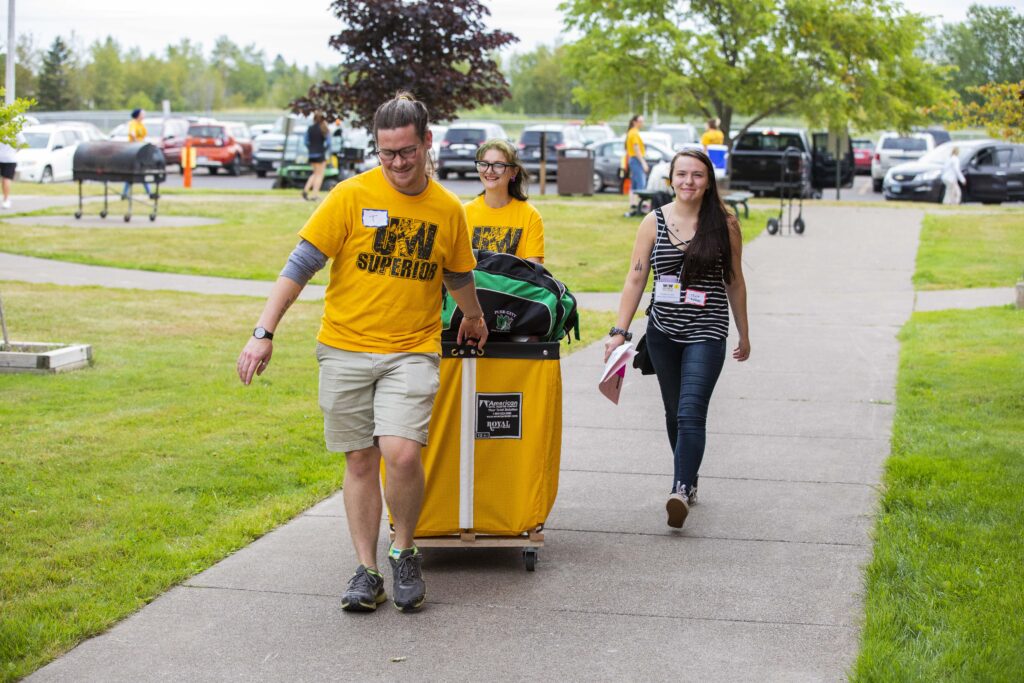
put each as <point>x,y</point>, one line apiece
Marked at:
<point>298,30</point>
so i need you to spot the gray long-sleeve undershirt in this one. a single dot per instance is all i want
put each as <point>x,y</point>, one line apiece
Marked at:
<point>306,260</point>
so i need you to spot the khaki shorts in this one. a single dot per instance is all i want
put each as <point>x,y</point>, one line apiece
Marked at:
<point>366,395</point>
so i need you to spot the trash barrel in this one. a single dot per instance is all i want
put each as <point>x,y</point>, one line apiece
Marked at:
<point>576,171</point>
<point>719,155</point>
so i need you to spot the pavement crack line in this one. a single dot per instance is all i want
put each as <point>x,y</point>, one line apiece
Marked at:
<point>661,429</point>
<point>738,539</point>
<point>565,610</point>
<point>876,487</point>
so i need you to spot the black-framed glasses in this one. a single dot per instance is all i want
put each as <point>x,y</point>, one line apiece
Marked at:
<point>406,153</point>
<point>498,167</point>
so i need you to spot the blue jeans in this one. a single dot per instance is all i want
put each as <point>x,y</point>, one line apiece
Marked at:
<point>687,374</point>
<point>127,186</point>
<point>637,175</point>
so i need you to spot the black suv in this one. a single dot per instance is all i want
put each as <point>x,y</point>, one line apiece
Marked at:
<point>556,136</point>
<point>458,148</point>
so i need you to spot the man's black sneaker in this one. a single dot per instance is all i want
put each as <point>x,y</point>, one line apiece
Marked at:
<point>365,591</point>
<point>409,590</point>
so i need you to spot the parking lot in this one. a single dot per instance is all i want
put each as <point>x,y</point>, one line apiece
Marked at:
<point>861,190</point>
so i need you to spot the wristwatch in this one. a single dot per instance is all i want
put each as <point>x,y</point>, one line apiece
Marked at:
<point>262,333</point>
<point>618,330</point>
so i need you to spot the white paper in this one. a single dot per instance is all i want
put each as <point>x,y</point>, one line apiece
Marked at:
<point>615,372</point>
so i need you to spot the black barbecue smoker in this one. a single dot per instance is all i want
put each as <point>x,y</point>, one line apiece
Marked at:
<point>120,162</point>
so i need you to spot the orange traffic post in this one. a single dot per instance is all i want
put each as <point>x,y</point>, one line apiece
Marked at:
<point>187,162</point>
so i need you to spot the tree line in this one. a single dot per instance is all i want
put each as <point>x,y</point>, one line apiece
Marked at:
<point>106,75</point>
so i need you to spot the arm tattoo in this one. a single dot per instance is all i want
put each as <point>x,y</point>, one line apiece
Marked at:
<point>287,304</point>
<point>638,267</point>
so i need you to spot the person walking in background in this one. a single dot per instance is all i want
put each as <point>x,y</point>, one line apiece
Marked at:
<point>393,234</point>
<point>712,134</point>
<point>318,142</point>
<point>136,133</point>
<point>694,246</point>
<point>952,177</point>
<point>500,219</point>
<point>8,164</point>
<point>636,163</point>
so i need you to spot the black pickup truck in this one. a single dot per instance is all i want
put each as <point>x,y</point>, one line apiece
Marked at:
<point>783,160</point>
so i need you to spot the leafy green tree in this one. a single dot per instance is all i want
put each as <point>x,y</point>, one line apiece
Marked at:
<point>834,62</point>
<point>988,47</point>
<point>541,84</point>
<point>57,90</point>
<point>105,75</point>
<point>438,49</point>
<point>11,119</point>
<point>996,107</point>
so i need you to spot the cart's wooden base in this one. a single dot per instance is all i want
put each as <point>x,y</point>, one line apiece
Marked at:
<point>530,542</point>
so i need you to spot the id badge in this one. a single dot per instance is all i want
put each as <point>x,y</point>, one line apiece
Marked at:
<point>667,290</point>
<point>375,218</point>
<point>695,298</point>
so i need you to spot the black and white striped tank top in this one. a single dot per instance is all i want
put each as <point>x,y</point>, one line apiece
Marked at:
<point>687,323</point>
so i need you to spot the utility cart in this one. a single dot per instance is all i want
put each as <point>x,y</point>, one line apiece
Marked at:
<point>495,447</point>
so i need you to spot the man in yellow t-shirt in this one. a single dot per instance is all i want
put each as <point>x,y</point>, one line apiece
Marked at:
<point>712,136</point>
<point>136,133</point>
<point>635,162</point>
<point>393,235</point>
<point>515,228</point>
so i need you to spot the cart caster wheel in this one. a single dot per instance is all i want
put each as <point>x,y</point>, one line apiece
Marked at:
<point>152,217</point>
<point>773,226</point>
<point>798,226</point>
<point>78,214</point>
<point>103,214</point>
<point>127,218</point>
<point>530,558</point>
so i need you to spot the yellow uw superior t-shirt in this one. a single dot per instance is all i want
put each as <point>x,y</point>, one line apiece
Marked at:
<point>136,131</point>
<point>389,251</point>
<point>712,137</point>
<point>633,138</point>
<point>515,228</point>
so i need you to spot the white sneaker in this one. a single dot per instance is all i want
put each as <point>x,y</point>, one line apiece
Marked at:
<point>677,508</point>
<point>7,203</point>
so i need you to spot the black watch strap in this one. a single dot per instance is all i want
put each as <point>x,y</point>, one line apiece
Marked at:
<point>628,336</point>
<point>262,333</point>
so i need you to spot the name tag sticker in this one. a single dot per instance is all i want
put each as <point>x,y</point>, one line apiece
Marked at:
<point>667,290</point>
<point>695,298</point>
<point>375,218</point>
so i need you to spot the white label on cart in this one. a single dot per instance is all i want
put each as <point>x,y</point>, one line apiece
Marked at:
<point>499,416</point>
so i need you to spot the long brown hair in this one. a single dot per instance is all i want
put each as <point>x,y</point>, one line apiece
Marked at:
<point>710,246</point>
<point>521,179</point>
<point>319,120</point>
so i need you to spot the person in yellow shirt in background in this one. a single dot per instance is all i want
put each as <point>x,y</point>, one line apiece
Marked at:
<point>393,235</point>
<point>501,219</point>
<point>635,162</point>
<point>712,135</point>
<point>136,133</point>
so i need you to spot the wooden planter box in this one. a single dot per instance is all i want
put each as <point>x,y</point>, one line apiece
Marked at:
<point>42,358</point>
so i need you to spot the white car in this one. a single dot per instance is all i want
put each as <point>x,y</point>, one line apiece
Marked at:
<point>49,153</point>
<point>893,149</point>
<point>684,135</point>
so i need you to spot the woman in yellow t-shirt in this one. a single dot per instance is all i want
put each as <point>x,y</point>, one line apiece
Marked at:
<point>501,219</point>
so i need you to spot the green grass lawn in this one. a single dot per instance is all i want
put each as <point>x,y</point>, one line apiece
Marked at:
<point>945,589</point>
<point>119,481</point>
<point>962,250</point>
<point>588,240</point>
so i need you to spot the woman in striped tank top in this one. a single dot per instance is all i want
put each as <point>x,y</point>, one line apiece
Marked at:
<point>694,247</point>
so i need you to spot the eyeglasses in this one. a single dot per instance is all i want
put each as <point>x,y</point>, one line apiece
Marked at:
<point>498,167</point>
<point>406,153</point>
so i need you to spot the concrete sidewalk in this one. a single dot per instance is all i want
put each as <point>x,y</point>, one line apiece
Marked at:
<point>763,583</point>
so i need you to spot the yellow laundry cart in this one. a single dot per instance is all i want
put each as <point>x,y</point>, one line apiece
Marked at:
<point>495,447</point>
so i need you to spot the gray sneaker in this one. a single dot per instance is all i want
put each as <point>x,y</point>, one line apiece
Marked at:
<point>677,508</point>
<point>691,495</point>
<point>409,590</point>
<point>365,591</point>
